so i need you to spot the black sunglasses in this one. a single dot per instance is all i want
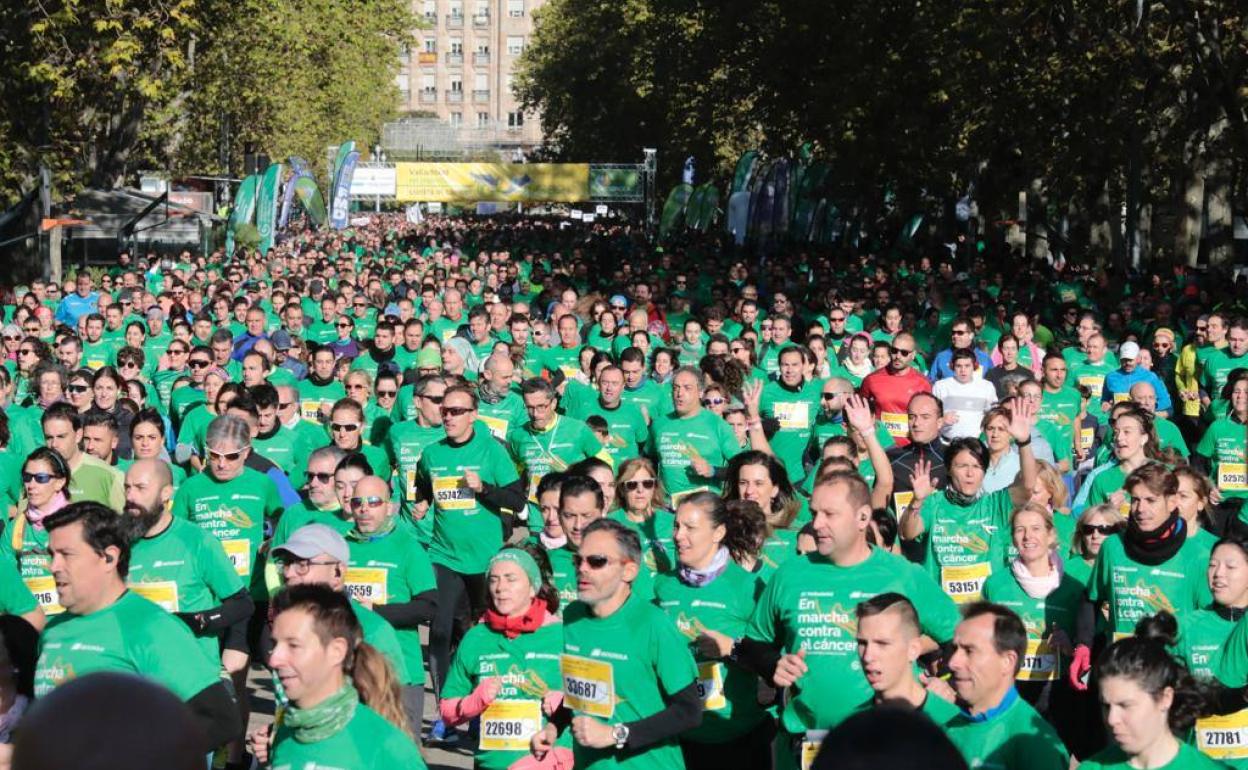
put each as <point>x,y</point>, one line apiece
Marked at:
<point>38,478</point>
<point>900,351</point>
<point>324,478</point>
<point>634,484</point>
<point>1103,529</point>
<point>456,411</point>
<point>595,561</point>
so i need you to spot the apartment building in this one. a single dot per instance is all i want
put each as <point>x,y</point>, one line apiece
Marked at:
<point>460,69</point>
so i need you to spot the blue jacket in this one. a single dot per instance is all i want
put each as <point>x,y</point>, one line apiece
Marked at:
<point>1119,382</point>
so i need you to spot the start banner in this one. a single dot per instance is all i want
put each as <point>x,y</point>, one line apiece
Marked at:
<point>503,182</point>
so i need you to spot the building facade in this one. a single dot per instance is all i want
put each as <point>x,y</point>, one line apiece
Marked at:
<point>460,69</point>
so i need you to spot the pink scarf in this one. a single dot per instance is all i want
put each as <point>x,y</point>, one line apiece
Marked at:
<point>36,515</point>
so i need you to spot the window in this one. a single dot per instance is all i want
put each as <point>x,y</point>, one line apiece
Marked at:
<point>457,119</point>
<point>457,8</point>
<point>480,82</point>
<point>515,119</point>
<point>431,8</point>
<point>402,81</point>
<point>515,45</point>
<point>431,45</point>
<point>483,120</point>
<point>457,45</point>
<point>483,8</point>
<point>515,7</point>
<point>457,85</point>
<point>483,48</point>
<point>405,54</point>
<point>428,82</point>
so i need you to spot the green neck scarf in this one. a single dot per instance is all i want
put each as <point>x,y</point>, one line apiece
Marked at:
<point>325,719</point>
<point>385,529</point>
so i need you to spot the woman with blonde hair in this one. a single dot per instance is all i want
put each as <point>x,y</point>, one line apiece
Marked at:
<point>1049,492</point>
<point>641,505</point>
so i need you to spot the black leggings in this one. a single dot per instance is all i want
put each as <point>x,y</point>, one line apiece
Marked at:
<point>752,750</point>
<point>461,600</point>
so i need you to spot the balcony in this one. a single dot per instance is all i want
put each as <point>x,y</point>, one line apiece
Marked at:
<point>428,96</point>
<point>454,97</point>
<point>431,19</point>
<point>455,59</point>
<point>481,57</point>
<point>481,96</point>
<point>455,21</point>
<point>481,20</point>
<point>427,58</point>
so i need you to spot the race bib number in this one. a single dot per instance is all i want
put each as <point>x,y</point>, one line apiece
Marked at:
<point>310,410</point>
<point>1224,737</point>
<point>573,373</point>
<point>588,685</point>
<point>367,584</point>
<point>901,501</point>
<point>964,583</point>
<point>44,589</point>
<point>497,426</point>
<point>1039,662</point>
<point>163,593</point>
<point>810,748</point>
<point>1094,384</point>
<point>1120,397</point>
<point>239,553</point>
<point>1086,437</point>
<point>451,493</point>
<point>1233,477</point>
<point>896,423</point>
<point>711,686</point>
<point>792,415</point>
<point>507,725</point>
<point>409,485</point>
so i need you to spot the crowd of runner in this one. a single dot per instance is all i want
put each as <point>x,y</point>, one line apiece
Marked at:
<point>652,508</point>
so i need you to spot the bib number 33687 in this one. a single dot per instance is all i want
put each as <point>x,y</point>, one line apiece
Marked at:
<point>588,685</point>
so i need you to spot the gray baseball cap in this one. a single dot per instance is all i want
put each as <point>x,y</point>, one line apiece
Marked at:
<point>311,540</point>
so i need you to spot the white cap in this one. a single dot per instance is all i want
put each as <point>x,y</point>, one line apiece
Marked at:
<point>1129,350</point>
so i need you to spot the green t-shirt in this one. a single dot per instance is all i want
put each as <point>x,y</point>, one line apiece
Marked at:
<point>96,481</point>
<point>1134,590</point>
<point>1016,739</point>
<point>1041,617</point>
<point>504,415</point>
<point>1061,409</point>
<point>676,441</point>
<point>565,441</point>
<point>183,569</point>
<point>809,605</point>
<point>131,635</point>
<point>939,710</point>
<point>729,693</point>
<point>658,552</point>
<point>1216,368</point>
<point>391,569</point>
<point>304,513</point>
<point>379,633</point>
<point>794,412</point>
<point>284,450</point>
<point>1224,443</point>
<point>627,430</point>
<point>467,532</point>
<point>777,549</point>
<point>194,429</point>
<point>622,668</point>
<point>566,360</point>
<point>234,512</point>
<point>528,667</point>
<point>650,395</point>
<point>963,545</point>
<point>404,445</point>
<point>368,741</point>
<point>1114,758</point>
<point>15,597</point>
<point>312,397</point>
<point>26,547</point>
<point>1092,376</point>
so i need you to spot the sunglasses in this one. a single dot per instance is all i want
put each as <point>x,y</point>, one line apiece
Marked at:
<point>387,393</point>
<point>455,411</point>
<point>129,365</point>
<point>38,478</point>
<point>343,326</point>
<point>713,402</point>
<point>900,351</point>
<point>13,337</point>
<point>199,363</point>
<point>636,484</point>
<point>595,561</point>
<point>78,388</point>
<point>371,501</point>
<point>228,457</point>
<point>1102,529</point>
<point>434,399</point>
<point>285,404</point>
<point>321,478</point>
<point>25,352</point>
<point>179,351</point>
<point>831,396</point>
<point>344,427</point>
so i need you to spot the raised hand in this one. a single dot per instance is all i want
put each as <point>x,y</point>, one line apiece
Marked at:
<point>921,479</point>
<point>858,414</point>
<point>1021,414</point>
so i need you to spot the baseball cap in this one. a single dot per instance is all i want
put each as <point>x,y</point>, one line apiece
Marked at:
<point>313,539</point>
<point>281,340</point>
<point>1129,351</point>
<point>428,358</point>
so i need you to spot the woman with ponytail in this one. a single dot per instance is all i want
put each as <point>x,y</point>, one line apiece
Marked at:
<point>711,597</point>
<point>1149,700</point>
<point>346,707</point>
<point>506,669</point>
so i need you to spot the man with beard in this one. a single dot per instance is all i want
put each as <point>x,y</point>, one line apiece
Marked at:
<point>177,564</point>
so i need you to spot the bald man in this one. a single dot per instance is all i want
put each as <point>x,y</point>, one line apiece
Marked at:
<point>177,564</point>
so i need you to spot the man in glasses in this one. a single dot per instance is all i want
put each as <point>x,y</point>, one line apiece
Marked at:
<point>472,491</point>
<point>288,414</point>
<point>178,565</point>
<point>407,440</point>
<point>890,388</point>
<point>790,405</point>
<point>962,337</point>
<point>319,503</point>
<point>628,694</point>
<point>390,573</point>
<point>549,441</point>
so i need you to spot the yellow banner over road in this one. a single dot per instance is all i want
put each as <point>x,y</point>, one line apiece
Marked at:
<point>470,182</point>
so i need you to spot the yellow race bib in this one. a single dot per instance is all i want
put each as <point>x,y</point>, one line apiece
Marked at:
<point>901,501</point>
<point>965,583</point>
<point>497,426</point>
<point>896,423</point>
<point>711,686</point>
<point>44,589</point>
<point>451,493</point>
<point>1233,477</point>
<point>1040,662</point>
<point>367,584</point>
<point>163,592</point>
<point>1224,737</point>
<point>588,685</point>
<point>507,725</point>
<point>239,552</point>
<point>792,415</point>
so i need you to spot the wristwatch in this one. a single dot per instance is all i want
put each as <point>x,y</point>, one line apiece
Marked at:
<point>620,734</point>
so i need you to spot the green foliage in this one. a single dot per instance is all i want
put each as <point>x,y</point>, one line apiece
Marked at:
<point>247,236</point>
<point>102,89</point>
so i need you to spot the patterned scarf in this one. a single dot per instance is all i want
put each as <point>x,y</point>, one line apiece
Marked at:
<point>325,719</point>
